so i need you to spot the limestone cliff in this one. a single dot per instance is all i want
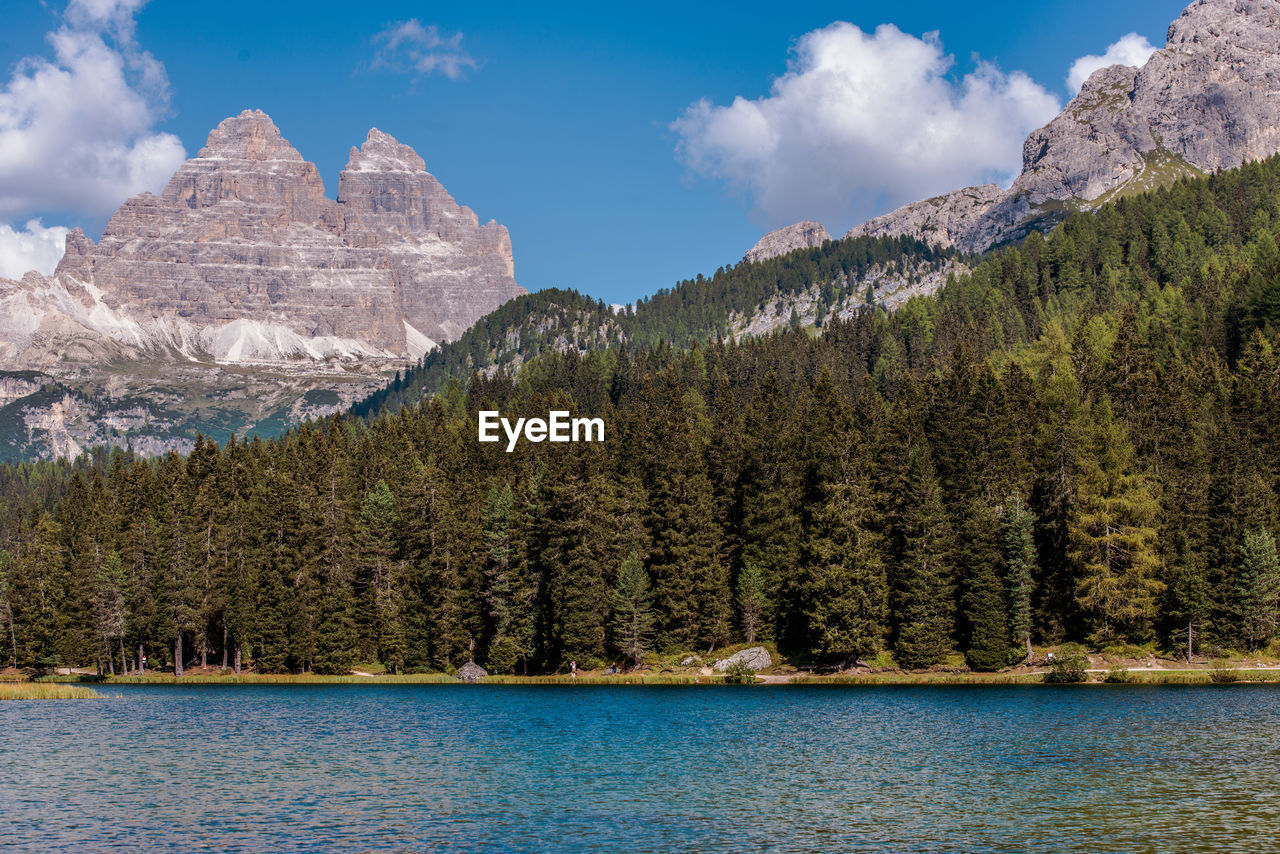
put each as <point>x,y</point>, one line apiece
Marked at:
<point>1210,99</point>
<point>242,258</point>
<point>783,240</point>
<point>242,298</point>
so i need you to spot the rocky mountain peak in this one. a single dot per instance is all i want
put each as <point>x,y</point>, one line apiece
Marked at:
<point>1210,99</point>
<point>249,136</point>
<point>1205,22</point>
<point>783,240</point>
<point>382,152</point>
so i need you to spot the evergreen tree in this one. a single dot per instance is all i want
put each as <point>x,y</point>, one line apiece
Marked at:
<point>6,605</point>
<point>109,607</point>
<point>752,604</point>
<point>1258,589</point>
<point>922,598</point>
<point>982,597</point>
<point>1020,563</point>
<point>633,617</point>
<point>382,598</point>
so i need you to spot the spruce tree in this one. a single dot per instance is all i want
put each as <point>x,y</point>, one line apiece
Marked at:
<point>1020,563</point>
<point>982,597</point>
<point>922,599</point>
<point>109,606</point>
<point>1258,589</point>
<point>752,604</point>
<point>633,617</point>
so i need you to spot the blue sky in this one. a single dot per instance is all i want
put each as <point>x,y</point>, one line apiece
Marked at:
<point>576,126</point>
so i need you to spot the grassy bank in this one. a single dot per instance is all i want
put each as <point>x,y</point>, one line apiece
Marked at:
<point>45,691</point>
<point>1135,677</point>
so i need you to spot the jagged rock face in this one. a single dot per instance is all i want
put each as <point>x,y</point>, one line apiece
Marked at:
<point>386,190</point>
<point>801,235</point>
<point>943,220</point>
<point>1209,100</point>
<point>242,298</point>
<point>243,258</point>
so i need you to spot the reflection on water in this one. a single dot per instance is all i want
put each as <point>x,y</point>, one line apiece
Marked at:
<point>568,768</point>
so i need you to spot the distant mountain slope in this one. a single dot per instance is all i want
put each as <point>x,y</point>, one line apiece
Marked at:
<point>803,288</point>
<point>242,298</point>
<point>1209,100</point>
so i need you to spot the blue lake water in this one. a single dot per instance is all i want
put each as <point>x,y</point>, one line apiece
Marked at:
<point>566,768</point>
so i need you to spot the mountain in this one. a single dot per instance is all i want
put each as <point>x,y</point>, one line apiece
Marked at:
<point>801,235</point>
<point>1209,100</point>
<point>244,286</point>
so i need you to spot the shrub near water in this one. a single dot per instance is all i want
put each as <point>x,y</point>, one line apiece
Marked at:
<point>1068,668</point>
<point>1118,675</point>
<point>1222,673</point>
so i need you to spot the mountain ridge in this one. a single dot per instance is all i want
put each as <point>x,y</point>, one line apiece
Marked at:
<point>1209,100</point>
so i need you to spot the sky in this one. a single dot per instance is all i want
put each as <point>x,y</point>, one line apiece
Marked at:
<point>625,147</point>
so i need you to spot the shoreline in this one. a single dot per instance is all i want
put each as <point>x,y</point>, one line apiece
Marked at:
<point>1164,676</point>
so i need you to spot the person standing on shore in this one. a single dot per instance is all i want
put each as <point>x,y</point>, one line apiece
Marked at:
<point>573,668</point>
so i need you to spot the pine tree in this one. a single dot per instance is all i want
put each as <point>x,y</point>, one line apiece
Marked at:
<point>6,605</point>
<point>1258,589</point>
<point>383,603</point>
<point>922,599</point>
<point>752,604</point>
<point>982,595</point>
<point>109,606</point>
<point>842,579</point>
<point>1020,563</point>
<point>633,617</point>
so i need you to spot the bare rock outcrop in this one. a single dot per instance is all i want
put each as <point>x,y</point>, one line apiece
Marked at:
<point>242,298</point>
<point>800,235</point>
<point>242,259</point>
<point>471,672</point>
<point>755,657</point>
<point>1210,99</point>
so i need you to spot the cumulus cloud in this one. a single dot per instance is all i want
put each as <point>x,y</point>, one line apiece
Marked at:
<point>1131,49</point>
<point>77,131</point>
<point>408,46</point>
<point>861,123</point>
<point>33,248</point>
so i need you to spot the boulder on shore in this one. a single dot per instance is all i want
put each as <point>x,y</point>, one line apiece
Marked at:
<point>756,657</point>
<point>471,672</point>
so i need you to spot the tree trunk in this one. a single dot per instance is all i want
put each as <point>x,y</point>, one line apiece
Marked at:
<point>1188,642</point>
<point>177,656</point>
<point>124,658</point>
<point>1027,638</point>
<point>204,656</point>
<point>141,669</point>
<point>224,644</point>
<point>237,659</point>
<point>13,639</point>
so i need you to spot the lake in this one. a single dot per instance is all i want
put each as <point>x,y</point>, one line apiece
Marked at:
<point>620,769</point>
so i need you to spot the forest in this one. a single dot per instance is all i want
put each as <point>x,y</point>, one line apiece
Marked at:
<point>1074,442</point>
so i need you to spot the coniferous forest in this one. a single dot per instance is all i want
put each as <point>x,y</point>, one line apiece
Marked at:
<point>1075,442</point>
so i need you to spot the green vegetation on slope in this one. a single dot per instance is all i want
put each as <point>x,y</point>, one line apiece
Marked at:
<point>1075,443</point>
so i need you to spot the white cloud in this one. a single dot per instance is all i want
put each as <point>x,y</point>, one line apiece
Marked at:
<point>76,131</point>
<point>1131,49</point>
<point>408,46</point>
<point>33,248</point>
<point>861,123</point>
